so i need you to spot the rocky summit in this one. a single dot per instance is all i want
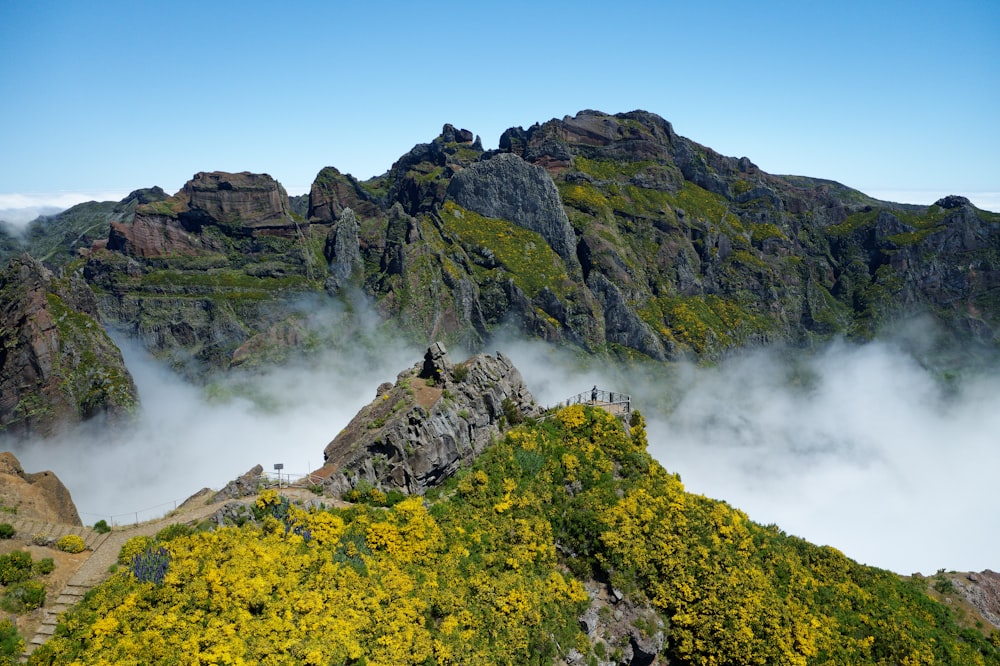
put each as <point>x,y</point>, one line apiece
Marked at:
<point>435,417</point>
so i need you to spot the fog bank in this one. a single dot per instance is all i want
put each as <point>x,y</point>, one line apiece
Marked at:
<point>186,440</point>
<point>858,447</point>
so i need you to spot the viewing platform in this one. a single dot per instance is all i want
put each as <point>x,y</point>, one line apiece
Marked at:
<point>617,403</point>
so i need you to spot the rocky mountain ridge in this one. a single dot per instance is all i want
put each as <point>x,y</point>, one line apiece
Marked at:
<point>608,233</point>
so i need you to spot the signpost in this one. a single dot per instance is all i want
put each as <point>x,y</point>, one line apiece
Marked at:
<point>277,468</point>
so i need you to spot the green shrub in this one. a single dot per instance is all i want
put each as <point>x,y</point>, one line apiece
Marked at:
<point>25,596</point>
<point>132,547</point>
<point>7,531</point>
<point>44,566</point>
<point>102,527</point>
<point>15,567</point>
<point>11,643</point>
<point>511,412</point>
<point>71,543</point>
<point>173,531</point>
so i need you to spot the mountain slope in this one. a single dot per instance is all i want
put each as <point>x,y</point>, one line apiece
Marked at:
<point>564,518</point>
<point>57,365</point>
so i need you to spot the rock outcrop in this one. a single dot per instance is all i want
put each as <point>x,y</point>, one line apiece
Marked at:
<point>242,486</point>
<point>57,365</point>
<point>343,252</point>
<point>39,495</point>
<point>419,430</point>
<point>508,188</point>
<point>982,590</point>
<point>237,204</point>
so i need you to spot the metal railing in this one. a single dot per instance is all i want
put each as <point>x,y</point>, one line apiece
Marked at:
<point>267,480</point>
<point>284,479</point>
<point>616,402</point>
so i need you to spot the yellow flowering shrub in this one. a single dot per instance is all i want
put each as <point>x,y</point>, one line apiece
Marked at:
<point>133,547</point>
<point>488,571</point>
<point>71,543</point>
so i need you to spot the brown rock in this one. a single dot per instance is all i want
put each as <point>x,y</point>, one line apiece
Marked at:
<point>243,201</point>
<point>40,495</point>
<point>982,590</point>
<point>241,204</point>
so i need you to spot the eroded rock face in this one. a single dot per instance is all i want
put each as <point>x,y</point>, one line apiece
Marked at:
<point>39,495</point>
<point>615,620</point>
<point>982,590</point>
<point>238,204</point>
<point>508,188</point>
<point>332,192</point>
<point>343,252</point>
<point>437,414</point>
<point>245,201</point>
<point>57,365</point>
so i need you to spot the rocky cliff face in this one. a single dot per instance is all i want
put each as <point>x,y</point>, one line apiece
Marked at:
<point>39,495</point>
<point>201,274</point>
<point>508,188</point>
<point>659,246</point>
<point>419,430</point>
<point>57,365</point>
<point>234,204</point>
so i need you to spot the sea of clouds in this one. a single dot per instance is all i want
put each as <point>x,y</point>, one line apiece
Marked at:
<point>857,446</point>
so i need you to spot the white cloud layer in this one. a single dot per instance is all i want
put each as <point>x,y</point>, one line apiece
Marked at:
<point>185,441</point>
<point>860,448</point>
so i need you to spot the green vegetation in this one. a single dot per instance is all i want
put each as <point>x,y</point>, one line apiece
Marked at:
<point>611,169</point>
<point>488,570</point>
<point>522,255</point>
<point>22,590</point>
<point>102,527</point>
<point>11,643</point>
<point>7,531</point>
<point>89,363</point>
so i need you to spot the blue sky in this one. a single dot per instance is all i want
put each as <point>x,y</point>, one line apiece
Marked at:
<point>895,98</point>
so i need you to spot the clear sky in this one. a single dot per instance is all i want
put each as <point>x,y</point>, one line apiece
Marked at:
<point>898,98</point>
